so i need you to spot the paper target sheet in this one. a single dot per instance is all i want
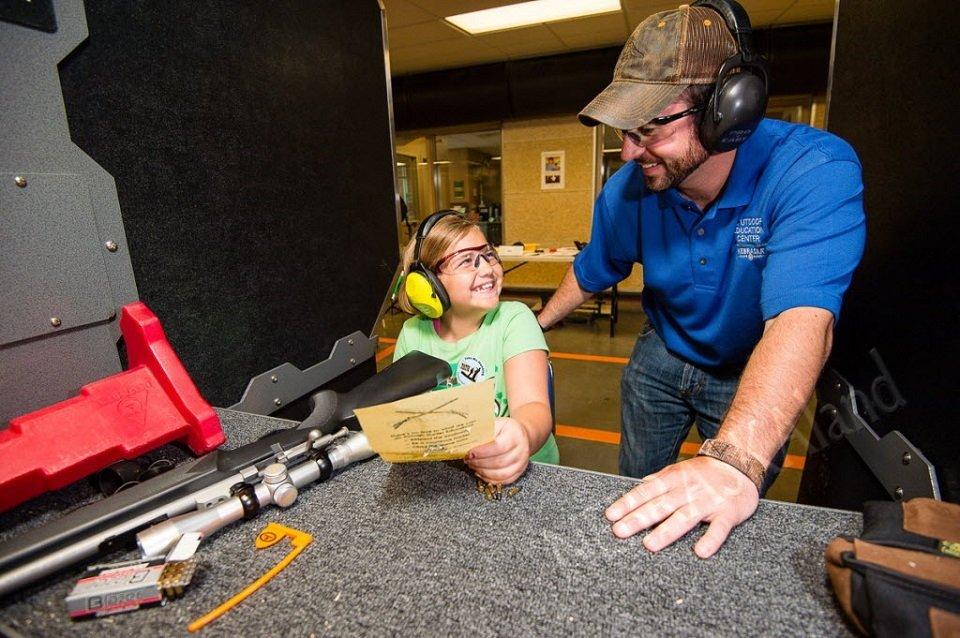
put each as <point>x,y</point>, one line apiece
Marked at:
<point>436,426</point>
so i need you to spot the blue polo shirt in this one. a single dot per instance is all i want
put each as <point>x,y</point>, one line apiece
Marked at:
<point>786,231</point>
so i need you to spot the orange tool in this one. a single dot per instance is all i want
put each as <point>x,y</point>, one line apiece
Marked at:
<point>270,536</point>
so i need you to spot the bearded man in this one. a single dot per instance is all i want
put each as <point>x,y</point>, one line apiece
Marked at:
<point>749,231</point>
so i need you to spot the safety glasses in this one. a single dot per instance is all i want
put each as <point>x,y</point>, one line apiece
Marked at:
<point>654,131</point>
<point>467,260</point>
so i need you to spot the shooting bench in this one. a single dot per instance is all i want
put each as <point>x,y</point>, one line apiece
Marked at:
<point>416,550</point>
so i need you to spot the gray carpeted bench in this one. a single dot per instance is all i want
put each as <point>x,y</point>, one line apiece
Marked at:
<point>416,550</point>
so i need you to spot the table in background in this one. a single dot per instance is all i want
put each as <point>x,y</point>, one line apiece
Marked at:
<point>561,255</point>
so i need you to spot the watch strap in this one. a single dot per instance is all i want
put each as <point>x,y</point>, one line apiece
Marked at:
<point>735,457</point>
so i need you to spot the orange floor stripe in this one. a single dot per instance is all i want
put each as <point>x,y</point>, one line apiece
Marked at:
<point>588,434</point>
<point>792,462</point>
<point>588,357</point>
<point>386,352</point>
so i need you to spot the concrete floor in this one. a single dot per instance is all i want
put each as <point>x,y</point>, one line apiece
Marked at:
<point>587,364</point>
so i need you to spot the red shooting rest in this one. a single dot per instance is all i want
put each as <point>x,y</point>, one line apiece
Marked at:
<point>120,417</point>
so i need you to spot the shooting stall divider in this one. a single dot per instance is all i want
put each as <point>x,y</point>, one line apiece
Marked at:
<point>241,202</point>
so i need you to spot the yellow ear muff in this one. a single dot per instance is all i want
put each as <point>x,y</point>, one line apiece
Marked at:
<point>422,296</point>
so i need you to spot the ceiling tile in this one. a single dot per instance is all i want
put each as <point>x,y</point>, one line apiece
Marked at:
<point>647,7</point>
<point>423,33</point>
<point>636,15</point>
<point>538,34</point>
<point>580,43</point>
<point>444,8</point>
<point>527,50</point>
<point>401,13</point>
<point>765,17</point>
<point>420,41</point>
<point>445,47</point>
<point>808,11</point>
<point>765,13</point>
<point>604,27</point>
<point>766,5</point>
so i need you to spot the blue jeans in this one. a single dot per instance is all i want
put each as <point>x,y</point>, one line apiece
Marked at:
<point>661,396</point>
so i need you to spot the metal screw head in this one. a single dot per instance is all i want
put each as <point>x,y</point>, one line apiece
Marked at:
<point>907,457</point>
<point>353,361</point>
<point>55,322</point>
<point>274,378</point>
<point>20,181</point>
<point>111,245</point>
<point>349,342</point>
<point>275,473</point>
<point>285,495</point>
<point>277,401</point>
<point>898,492</point>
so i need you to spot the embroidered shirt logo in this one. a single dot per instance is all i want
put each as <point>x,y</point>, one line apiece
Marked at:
<point>470,370</point>
<point>749,234</point>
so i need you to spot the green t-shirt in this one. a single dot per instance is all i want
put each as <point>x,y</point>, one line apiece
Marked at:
<point>506,331</point>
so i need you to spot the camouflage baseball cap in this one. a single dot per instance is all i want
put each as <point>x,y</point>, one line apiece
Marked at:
<point>667,52</point>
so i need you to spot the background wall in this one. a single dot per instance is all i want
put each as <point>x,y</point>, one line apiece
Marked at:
<point>548,217</point>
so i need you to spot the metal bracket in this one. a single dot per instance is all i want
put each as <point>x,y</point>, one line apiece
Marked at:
<point>271,390</point>
<point>279,453</point>
<point>900,467</point>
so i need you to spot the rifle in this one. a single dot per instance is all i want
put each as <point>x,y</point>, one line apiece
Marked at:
<point>220,487</point>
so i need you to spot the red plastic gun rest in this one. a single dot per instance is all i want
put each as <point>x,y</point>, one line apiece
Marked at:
<point>121,417</point>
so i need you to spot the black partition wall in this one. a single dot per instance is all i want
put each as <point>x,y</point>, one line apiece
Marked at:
<point>251,147</point>
<point>893,97</point>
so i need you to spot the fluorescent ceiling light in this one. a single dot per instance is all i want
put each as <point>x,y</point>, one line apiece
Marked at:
<point>524,14</point>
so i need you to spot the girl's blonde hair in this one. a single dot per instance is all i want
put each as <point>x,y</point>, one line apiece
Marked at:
<point>446,232</point>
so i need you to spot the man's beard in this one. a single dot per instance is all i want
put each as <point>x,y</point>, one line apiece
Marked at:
<point>677,170</point>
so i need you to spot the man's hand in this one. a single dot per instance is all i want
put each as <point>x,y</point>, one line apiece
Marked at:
<point>569,295</point>
<point>680,496</point>
<point>505,458</point>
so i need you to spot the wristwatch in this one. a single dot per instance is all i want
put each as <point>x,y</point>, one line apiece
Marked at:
<point>735,457</point>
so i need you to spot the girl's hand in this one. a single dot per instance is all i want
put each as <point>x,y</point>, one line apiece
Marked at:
<point>505,458</point>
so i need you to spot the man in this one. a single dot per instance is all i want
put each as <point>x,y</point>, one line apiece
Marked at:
<point>747,254</point>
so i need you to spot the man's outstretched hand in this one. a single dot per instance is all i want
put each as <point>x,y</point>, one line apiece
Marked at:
<point>679,497</point>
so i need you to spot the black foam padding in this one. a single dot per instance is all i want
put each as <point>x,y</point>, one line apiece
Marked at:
<point>894,103</point>
<point>416,550</point>
<point>251,148</point>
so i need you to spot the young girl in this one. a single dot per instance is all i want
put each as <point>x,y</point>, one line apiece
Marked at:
<point>452,271</point>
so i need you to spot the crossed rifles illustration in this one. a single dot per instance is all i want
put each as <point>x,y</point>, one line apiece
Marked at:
<point>416,414</point>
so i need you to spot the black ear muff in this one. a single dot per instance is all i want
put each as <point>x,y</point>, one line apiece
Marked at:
<point>739,99</point>
<point>424,289</point>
